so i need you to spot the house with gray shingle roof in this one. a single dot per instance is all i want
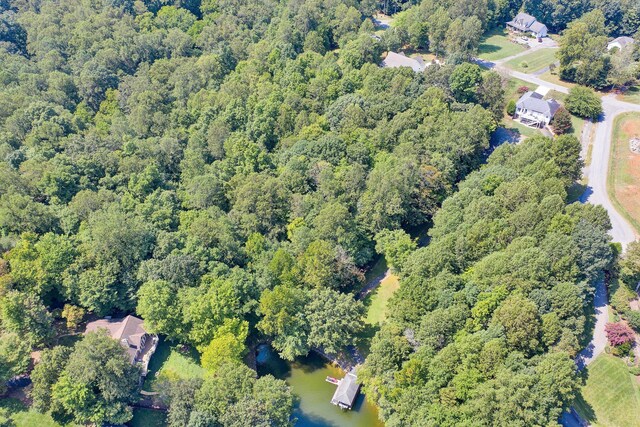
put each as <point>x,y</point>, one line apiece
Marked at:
<point>533,110</point>
<point>131,334</point>
<point>620,42</point>
<point>347,391</point>
<point>525,23</point>
<point>395,60</point>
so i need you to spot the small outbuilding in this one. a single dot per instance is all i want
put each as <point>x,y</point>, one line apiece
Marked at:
<point>620,42</point>
<point>347,391</point>
<point>533,110</point>
<point>525,23</point>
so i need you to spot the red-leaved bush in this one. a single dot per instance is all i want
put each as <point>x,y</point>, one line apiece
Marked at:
<point>523,89</point>
<point>619,333</point>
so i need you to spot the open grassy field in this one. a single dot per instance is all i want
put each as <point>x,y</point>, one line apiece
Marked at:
<point>376,301</point>
<point>623,183</point>
<point>533,61</point>
<point>172,363</point>
<point>496,45</point>
<point>611,395</point>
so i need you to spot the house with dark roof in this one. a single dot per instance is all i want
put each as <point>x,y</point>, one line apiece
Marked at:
<point>346,392</point>
<point>131,334</point>
<point>533,110</point>
<point>620,42</point>
<point>525,23</point>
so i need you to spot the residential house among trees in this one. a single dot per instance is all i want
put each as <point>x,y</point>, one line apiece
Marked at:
<point>620,42</point>
<point>526,23</point>
<point>395,60</point>
<point>533,110</point>
<point>130,332</point>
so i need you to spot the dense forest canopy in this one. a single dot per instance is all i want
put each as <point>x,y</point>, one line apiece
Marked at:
<point>489,315</point>
<point>228,169</point>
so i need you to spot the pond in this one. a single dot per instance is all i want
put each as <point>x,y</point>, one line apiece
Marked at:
<point>306,375</point>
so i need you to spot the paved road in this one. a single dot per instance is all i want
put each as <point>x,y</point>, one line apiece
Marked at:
<point>595,193</point>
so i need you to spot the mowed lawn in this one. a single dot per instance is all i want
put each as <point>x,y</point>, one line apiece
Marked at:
<point>377,301</point>
<point>534,61</point>
<point>170,362</point>
<point>623,183</point>
<point>611,395</point>
<point>25,417</point>
<point>143,417</point>
<point>496,45</point>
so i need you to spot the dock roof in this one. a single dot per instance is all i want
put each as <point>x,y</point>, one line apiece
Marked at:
<point>347,391</point>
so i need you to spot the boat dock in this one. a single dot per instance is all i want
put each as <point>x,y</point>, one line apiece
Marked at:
<point>347,391</point>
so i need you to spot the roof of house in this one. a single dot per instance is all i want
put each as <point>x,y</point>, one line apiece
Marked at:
<point>128,331</point>
<point>395,60</point>
<point>623,41</point>
<point>534,101</point>
<point>522,21</point>
<point>347,390</point>
<point>538,27</point>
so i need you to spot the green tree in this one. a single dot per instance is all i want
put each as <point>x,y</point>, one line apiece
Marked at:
<point>281,310</point>
<point>26,316</point>
<point>561,122</point>
<point>584,102</point>
<point>334,319</point>
<point>15,356</point>
<point>227,345</point>
<point>98,383</point>
<point>396,246</point>
<point>465,81</point>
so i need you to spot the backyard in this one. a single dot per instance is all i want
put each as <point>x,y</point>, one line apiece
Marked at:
<point>533,61</point>
<point>611,395</point>
<point>496,45</point>
<point>623,183</point>
<point>172,362</point>
<point>25,417</point>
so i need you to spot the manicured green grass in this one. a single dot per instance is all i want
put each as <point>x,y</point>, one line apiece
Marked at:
<point>143,417</point>
<point>623,179</point>
<point>169,362</point>
<point>24,417</point>
<point>377,300</point>
<point>496,45</point>
<point>611,395</point>
<point>534,61</point>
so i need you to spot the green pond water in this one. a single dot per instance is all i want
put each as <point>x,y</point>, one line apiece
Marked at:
<point>306,376</point>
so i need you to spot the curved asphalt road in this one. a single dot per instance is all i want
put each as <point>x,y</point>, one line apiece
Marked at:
<point>595,193</point>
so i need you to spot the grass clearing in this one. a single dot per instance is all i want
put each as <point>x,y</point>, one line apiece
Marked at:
<point>171,362</point>
<point>143,417</point>
<point>24,417</point>
<point>611,395</point>
<point>377,301</point>
<point>496,45</point>
<point>534,61</point>
<point>623,179</point>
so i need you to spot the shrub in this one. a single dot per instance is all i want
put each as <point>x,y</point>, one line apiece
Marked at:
<point>633,317</point>
<point>523,90</point>
<point>524,64</point>
<point>584,102</point>
<point>635,371</point>
<point>619,334</point>
<point>561,122</point>
<point>511,107</point>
